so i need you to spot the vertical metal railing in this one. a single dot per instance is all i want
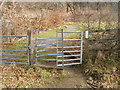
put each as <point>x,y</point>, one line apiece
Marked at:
<point>57,48</point>
<point>62,49</point>
<point>0,37</point>
<point>36,43</point>
<point>81,48</point>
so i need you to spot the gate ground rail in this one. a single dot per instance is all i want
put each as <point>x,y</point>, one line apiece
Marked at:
<point>5,58</point>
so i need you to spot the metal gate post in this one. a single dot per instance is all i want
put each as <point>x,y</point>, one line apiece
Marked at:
<point>62,49</point>
<point>36,42</point>
<point>81,44</point>
<point>0,37</point>
<point>57,47</point>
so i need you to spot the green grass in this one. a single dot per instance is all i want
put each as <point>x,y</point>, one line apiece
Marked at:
<point>51,33</point>
<point>93,26</point>
<point>46,34</point>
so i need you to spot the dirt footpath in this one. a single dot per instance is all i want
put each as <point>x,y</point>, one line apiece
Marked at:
<point>76,79</point>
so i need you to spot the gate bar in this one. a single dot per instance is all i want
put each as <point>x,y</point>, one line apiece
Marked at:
<point>69,55</point>
<point>69,32</point>
<point>60,47</point>
<point>70,59</point>
<point>71,51</point>
<point>13,43</point>
<point>48,54</point>
<point>49,59</point>
<point>47,39</point>
<point>12,59</point>
<point>14,50</point>
<point>13,35</point>
<point>71,39</point>
<point>69,64</point>
<point>11,55</point>
<point>14,62</point>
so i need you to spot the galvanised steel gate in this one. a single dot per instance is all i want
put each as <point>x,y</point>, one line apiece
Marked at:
<point>14,52</point>
<point>58,49</point>
<point>71,51</point>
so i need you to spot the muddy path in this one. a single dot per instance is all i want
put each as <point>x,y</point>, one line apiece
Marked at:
<point>75,79</point>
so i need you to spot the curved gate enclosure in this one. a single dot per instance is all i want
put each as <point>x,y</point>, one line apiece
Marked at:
<point>58,49</point>
<point>46,50</point>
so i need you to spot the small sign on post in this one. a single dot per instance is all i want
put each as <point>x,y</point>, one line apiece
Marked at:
<point>86,34</point>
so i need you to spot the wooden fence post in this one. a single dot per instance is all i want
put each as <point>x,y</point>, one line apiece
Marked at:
<point>118,29</point>
<point>87,44</point>
<point>29,46</point>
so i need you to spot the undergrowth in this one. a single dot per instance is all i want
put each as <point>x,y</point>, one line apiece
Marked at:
<point>29,76</point>
<point>102,73</point>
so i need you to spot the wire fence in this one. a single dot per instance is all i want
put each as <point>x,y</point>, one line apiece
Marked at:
<point>102,41</point>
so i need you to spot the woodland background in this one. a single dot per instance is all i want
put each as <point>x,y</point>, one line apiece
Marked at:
<point>43,15</point>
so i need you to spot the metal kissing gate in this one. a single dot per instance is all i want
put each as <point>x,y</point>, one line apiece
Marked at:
<point>61,49</point>
<point>52,47</point>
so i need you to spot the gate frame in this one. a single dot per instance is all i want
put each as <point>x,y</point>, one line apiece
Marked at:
<point>28,49</point>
